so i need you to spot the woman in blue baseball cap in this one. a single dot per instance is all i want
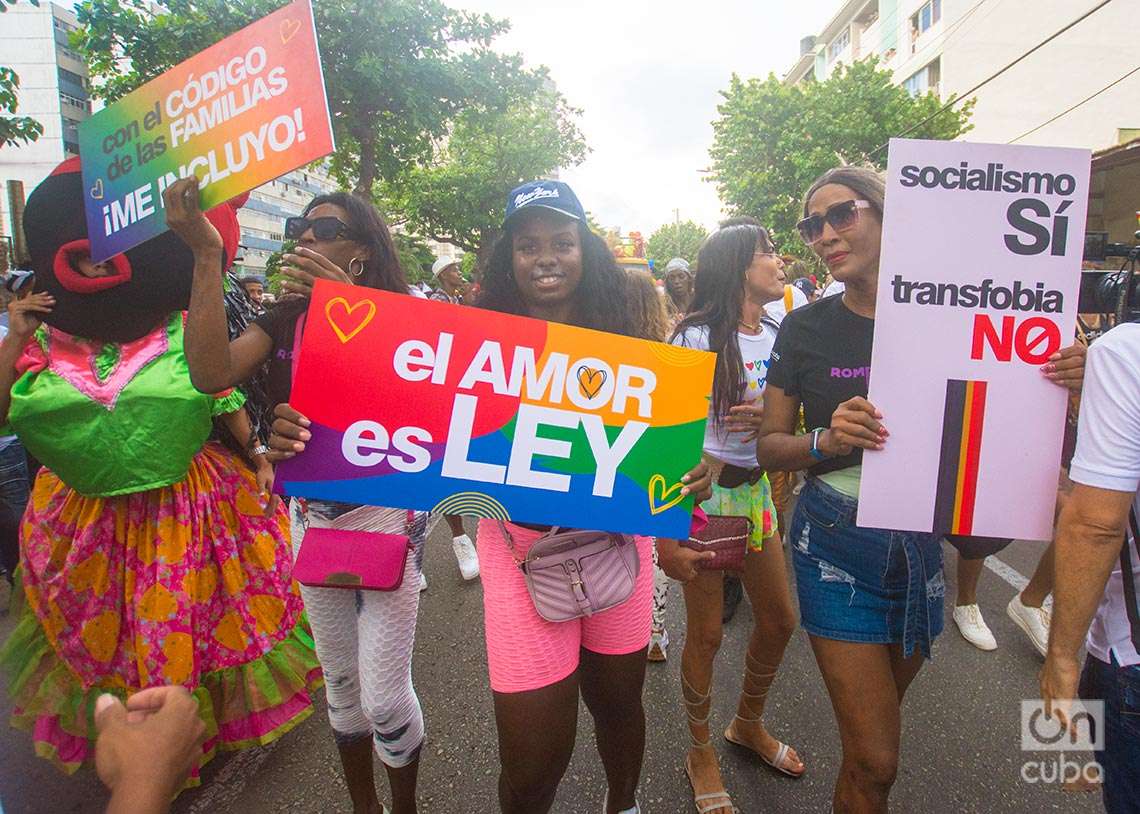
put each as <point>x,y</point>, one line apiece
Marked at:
<point>549,265</point>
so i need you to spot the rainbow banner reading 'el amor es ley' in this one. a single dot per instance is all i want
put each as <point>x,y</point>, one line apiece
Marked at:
<point>426,405</point>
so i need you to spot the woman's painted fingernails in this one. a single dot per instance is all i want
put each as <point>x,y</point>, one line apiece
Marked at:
<point>305,435</point>
<point>299,447</point>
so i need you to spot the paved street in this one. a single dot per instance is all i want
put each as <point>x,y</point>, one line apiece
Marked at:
<point>961,729</point>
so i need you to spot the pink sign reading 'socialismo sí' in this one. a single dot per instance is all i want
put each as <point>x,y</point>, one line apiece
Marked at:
<point>978,281</point>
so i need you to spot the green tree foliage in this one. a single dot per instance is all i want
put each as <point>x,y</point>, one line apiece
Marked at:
<point>682,239</point>
<point>415,256</point>
<point>459,196</point>
<point>273,266</point>
<point>771,141</point>
<point>14,130</point>
<point>396,72</point>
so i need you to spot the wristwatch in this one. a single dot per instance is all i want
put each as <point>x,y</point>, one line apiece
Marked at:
<point>816,452</point>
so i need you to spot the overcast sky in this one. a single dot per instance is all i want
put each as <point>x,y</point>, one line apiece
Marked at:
<point>646,76</point>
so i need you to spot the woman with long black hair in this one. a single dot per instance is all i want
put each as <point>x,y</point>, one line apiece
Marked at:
<point>870,599</point>
<point>549,265</point>
<point>364,639</point>
<point>740,273</point>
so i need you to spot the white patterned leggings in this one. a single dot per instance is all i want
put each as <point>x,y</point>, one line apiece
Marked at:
<point>364,641</point>
<point>660,594</point>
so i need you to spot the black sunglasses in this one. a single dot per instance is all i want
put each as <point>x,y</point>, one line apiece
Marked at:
<point>840,217</point>
<point>327,228</point>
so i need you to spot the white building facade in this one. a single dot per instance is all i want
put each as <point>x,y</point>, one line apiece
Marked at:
<point>53,91</point>
<point>949,46</point>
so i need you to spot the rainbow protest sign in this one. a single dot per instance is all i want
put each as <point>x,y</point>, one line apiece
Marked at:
<point>426,405</point>
<point>244,111</point>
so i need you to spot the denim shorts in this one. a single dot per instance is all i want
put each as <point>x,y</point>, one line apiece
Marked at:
<point>864,585</point>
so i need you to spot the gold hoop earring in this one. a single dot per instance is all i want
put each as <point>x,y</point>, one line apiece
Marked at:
<point>355,273</point>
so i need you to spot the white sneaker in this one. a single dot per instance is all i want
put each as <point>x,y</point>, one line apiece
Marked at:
<point>423,582</point>
<point>466,557</point>
<point>1034,621</point>
<point>973,627</point>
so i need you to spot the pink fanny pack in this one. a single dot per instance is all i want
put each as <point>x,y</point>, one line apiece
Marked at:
<point>577,573</point>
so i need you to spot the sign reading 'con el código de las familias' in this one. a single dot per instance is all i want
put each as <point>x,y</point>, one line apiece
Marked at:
<point>246,110</point>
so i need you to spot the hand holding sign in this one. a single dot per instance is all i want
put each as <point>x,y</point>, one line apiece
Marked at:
<point>186,219</point>
<point>1067,367</point>
<point>855,423</point>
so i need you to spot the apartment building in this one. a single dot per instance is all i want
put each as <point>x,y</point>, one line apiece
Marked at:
<point>262,219</point>
<point>949,46</point>
<point>53,90</point>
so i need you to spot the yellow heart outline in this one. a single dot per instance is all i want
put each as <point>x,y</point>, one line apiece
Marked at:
<point>288,29</point>
<point>369,304</point>
<point>659,481</point>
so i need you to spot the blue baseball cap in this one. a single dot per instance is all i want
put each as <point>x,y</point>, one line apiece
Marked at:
<point>546,194</point>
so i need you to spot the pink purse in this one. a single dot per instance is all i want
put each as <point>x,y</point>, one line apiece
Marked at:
<point>361,560</point>
<point>349,558</point>
<point>577,573</point>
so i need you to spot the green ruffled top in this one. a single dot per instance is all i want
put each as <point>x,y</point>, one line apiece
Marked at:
<point>112,419</point>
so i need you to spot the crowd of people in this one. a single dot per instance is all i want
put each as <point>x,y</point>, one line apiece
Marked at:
<point>151,394</point>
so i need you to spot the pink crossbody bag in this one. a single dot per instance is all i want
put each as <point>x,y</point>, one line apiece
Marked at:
<point>350,558</point>
<point>344,558</point>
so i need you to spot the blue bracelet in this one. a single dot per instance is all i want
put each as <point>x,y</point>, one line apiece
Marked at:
<point>816,452</point>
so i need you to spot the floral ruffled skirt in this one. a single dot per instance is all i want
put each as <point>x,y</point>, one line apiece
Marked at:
<point>187,584</point>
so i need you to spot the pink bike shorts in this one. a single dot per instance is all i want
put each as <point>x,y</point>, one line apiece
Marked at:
<point>526,652</point>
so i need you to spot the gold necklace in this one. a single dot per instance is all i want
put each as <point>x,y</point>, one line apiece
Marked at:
<point>755,327</point>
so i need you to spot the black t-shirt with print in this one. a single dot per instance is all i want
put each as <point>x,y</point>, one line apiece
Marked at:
<point>823,357</point>
<point>280,323</point>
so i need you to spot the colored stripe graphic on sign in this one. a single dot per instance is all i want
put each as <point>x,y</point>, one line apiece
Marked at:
<point>962,423</point>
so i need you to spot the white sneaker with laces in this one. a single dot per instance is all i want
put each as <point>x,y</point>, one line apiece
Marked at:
<point>1034,621</point>
<point>423,582</point>
<point>466,557</point>
<point>973,627</point>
